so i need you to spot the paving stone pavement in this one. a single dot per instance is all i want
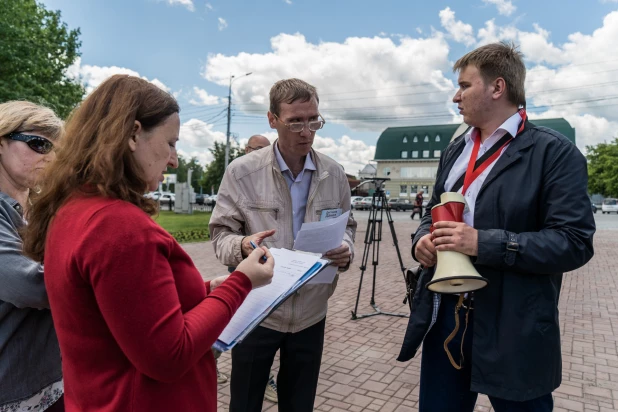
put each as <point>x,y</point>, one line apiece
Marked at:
<point>359,371</point>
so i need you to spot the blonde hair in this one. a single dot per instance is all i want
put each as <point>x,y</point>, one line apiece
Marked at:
<point>22,116</point>
<point>499,60</point>
<point>290,90</point>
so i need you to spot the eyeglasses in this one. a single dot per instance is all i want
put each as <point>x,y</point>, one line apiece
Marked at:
<point>37,143</point>
<point>255,148</point>
<point>298,127</point>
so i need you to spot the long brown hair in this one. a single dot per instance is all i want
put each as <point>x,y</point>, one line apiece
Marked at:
<point>95,157</point>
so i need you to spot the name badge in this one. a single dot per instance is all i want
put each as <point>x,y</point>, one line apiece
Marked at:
<point>330,214</point>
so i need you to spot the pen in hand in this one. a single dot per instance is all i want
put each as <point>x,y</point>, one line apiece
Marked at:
<point>254,246</point>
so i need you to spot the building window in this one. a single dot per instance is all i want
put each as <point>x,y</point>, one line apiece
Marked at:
<point>404,154</point>
<point>419,172</point>
<point>426,138</point>
<point>425,153</point>
<point>403,190</point>
<point>436,153</point>
<point>413,189</point>
<point>415,140</point>
<point>386,171</point>
<point>405,139</point>
<point>414,153</point>
<point>437,138</point>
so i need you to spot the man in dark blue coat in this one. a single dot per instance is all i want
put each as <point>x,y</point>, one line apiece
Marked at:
<point>528,220</point>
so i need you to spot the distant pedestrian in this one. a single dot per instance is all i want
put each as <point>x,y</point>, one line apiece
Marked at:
<point>418,206</point>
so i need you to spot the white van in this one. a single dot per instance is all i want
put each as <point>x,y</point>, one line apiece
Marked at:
<point>609,205</point>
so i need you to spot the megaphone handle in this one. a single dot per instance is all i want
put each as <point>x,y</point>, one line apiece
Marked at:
<point>454,332</point>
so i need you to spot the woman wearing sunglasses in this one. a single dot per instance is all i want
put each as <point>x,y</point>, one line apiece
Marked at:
<point>30,367</point>
<point>134,319</point>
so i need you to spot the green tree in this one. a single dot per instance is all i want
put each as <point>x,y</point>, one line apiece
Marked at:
<point>183,171</point>
<point>603,168</point>
<point>36,48</point>
<point>215,169</point>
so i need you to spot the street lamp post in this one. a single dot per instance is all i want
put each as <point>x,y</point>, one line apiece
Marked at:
<point>229,118</point>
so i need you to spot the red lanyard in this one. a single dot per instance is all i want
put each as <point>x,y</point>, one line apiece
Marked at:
<point>471,172</point>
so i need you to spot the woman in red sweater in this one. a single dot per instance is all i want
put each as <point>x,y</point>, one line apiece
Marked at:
<point>134,319</point>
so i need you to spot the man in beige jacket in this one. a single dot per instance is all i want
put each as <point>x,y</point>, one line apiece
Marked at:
<point>265,196</point>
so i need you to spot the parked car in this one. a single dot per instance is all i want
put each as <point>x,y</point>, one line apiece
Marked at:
<point>357,203</point>
<point>213,200</point>
<point>353,199</point>
<point>398,204</point>
<point>594,207</point>
<point>199,198</point>
<point>167,198</point>
<point>609,205</point>
<point>153,195</point>
<point>365,203</point>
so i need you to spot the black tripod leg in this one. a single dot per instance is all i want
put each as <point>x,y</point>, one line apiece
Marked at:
<point>395,242</point>
<point>368,241</point>
<point>376,255</point>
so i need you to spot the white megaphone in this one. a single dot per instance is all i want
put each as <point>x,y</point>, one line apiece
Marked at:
<point>454,271</point>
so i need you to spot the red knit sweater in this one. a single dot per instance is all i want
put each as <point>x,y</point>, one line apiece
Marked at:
<point>134,319</point>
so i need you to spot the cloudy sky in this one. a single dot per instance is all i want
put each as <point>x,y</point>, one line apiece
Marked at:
<point>375,64</point>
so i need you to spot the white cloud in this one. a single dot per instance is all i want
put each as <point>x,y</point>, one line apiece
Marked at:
<point>222,24</point>
<point>352,154</point>
<point>288,1</point>
<point>209,6</point>
<point>575,80</point>
<point>383,73</point>
<point>458,30</point>
<point>505,7</point>
<point>199,134</point>
<point>373,83</point>
<point>202,98</point>
<point>92,76</point>
<point>187,3</point>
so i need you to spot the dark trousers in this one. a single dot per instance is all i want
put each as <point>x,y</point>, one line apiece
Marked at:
<point>297,381</point>
<point>416,211</point>
<point>446,389</point>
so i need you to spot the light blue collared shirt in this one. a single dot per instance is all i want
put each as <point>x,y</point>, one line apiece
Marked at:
<point>299,188</point>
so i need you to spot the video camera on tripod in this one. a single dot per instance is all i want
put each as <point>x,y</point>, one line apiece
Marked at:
<point>373,237</point>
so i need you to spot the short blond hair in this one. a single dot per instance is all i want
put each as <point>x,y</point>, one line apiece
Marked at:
<point>23,116</point>
<point>499,60</point>
<point>290,90</point>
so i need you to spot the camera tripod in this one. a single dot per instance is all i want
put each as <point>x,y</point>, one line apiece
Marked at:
<point>373,237</point>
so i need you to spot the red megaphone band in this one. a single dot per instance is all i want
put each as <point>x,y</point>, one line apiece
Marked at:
<point>447,212</point>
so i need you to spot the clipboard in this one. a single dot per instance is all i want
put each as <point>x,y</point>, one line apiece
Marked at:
<point>309,274</point>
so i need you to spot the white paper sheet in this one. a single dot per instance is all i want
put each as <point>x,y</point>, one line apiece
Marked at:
<point>320,237</point>
<point>290,266</point>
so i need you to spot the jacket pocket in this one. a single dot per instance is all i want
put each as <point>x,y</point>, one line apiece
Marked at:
<point>263,216</point>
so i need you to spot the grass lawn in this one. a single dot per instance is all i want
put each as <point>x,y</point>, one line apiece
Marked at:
<point>185,228</point>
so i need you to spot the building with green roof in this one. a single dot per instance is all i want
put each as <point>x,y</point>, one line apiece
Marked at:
<point>409,155</point>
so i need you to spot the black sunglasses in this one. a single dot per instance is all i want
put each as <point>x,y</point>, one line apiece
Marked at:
<point>37,143</point>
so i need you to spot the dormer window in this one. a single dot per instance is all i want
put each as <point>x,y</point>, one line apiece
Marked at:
<point>437,138</point>
<point>405,139</point>
<point>426,138</point>
<point>415,140</point>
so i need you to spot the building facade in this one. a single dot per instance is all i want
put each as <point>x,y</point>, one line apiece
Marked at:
<point>409,156</point>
